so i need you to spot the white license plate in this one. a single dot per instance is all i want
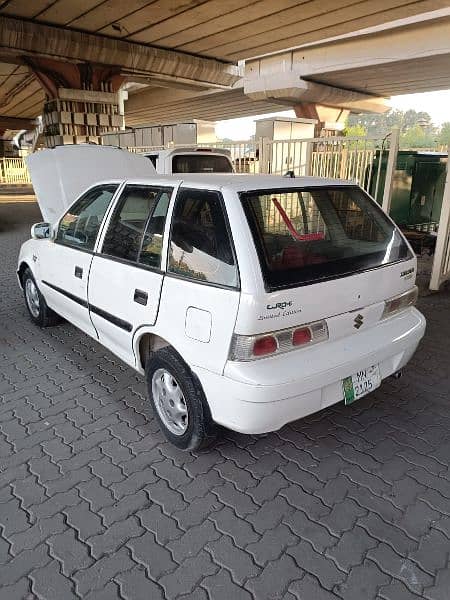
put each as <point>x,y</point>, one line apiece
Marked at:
<point>361,383</point>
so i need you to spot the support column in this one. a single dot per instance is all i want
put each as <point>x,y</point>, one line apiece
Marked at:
<point>330,121</point>
<point>441,263</point>
<point>83,101</point>
<point>390,169</point>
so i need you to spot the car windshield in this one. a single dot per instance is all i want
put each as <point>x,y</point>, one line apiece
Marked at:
<point>201,163</point>
<point>309,235</point>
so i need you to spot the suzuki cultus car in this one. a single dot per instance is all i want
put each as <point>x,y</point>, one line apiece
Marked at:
<point>246,301</point>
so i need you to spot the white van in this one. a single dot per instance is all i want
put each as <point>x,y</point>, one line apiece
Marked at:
<point>191,160</point>
<point>247,302</point>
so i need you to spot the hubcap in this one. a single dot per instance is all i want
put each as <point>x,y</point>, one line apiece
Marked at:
<point>32,296</point>
<point>169,401</point>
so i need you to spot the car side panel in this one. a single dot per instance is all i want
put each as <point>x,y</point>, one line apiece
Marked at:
<point>197,320</point>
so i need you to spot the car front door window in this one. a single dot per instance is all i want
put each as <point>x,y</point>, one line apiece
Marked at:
<point>80,225</point>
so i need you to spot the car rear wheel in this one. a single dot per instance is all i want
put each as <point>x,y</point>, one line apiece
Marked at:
<point>38,310</point>
<point>178,401</point>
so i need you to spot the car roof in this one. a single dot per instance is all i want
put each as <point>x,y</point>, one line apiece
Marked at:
<point>241,182</point>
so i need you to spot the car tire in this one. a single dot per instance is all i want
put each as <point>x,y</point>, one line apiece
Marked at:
<point>39,312</point>
<point>178,401</point>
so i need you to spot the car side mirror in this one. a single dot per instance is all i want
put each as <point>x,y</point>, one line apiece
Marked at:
<point>40,231</point>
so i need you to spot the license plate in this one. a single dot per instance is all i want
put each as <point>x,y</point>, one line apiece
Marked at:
<point>358,385</point>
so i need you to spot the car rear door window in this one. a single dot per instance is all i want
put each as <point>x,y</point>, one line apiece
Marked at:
<point>80,225</point>
<point>132,218</point>
<point>200,244</point>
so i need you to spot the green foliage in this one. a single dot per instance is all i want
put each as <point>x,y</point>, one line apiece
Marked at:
<point>444,135</point>
<point>417,137</point>
<point>416,128</point>
<point>355,130</point>
<point>380,124</point>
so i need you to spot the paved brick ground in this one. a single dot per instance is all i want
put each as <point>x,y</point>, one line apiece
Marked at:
<point>351,503</point>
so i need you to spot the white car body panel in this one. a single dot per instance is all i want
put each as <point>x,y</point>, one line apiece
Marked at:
<point>198,319</point>
<point>61,174</point>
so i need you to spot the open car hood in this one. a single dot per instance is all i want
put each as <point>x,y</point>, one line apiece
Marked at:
<point>59,175</point>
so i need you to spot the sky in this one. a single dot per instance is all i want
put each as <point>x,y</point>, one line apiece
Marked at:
<point>437,104</point>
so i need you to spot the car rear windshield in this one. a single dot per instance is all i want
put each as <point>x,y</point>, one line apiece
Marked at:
<point>201,163</point>
<point>308,235</point>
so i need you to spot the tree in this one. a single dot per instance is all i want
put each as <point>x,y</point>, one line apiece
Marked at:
<point>417,137</point>
<point>444,135</point>
<point>355,130</point>
<point>380,124</point>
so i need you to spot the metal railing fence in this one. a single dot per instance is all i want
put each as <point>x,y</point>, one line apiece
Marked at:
<point>349,158</point>
<point>14,171</point>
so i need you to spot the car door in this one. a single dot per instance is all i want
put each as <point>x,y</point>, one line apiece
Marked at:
<point>201,290</point>
<point>126,278</point>
<point>65,260</point>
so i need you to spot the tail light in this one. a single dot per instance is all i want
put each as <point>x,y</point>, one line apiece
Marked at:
<point>252,347</point>
<point>399,303</point>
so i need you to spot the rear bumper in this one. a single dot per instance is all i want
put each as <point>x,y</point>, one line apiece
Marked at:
<point>264,395</point>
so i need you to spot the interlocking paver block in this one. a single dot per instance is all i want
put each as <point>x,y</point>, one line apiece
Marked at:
<point>433,552</point>
<point>102,571</point>
<point>23,563</point>
<point>241,503</point>
<point>359,494</point>
<point>165,528</point>
<point>135,585</point>
<point>81,518</point>
<point>221,587</point>
<point>351,548</point>
<point>400,568</point>
<point>114,537</point>
<point>272,544</point>
<point>69,551</point>
<point>274,580</point>
<point>123,508</point>
<point>49,583</point>
<point>363,582</point>
<point>343,516</point>
<point>270,514</point>
<point>308,588</point>
<point>322,567</point>
<point>170,500</point>
<point>191,542</point>
<point>37,533</point>
<point>197,511</point>
<point>95,494</point>
<point>268,488</point>
<point>54,505</point>
<point>153,556</point>
<point>240,530</point>
<point>188,576</point>
<point>237,561</point>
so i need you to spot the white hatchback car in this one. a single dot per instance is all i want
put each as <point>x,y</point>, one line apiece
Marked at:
<point>247,301</point>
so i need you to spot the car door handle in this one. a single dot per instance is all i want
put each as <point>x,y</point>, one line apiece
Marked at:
<point>78,272</point>
<point>140,297</point>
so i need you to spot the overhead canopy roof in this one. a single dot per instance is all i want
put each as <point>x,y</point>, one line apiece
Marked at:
<point>228,30</point>
<point>216,32</point>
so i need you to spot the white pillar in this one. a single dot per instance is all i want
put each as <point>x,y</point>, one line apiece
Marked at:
<point>441,263</point>
<point>390,169</point>
<point>122,96</point>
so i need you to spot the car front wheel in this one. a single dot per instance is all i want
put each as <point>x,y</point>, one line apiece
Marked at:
<point>178,401</point>
<point>38,310</point>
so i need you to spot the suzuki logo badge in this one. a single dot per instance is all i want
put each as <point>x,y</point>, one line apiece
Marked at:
<point>358,321</point>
